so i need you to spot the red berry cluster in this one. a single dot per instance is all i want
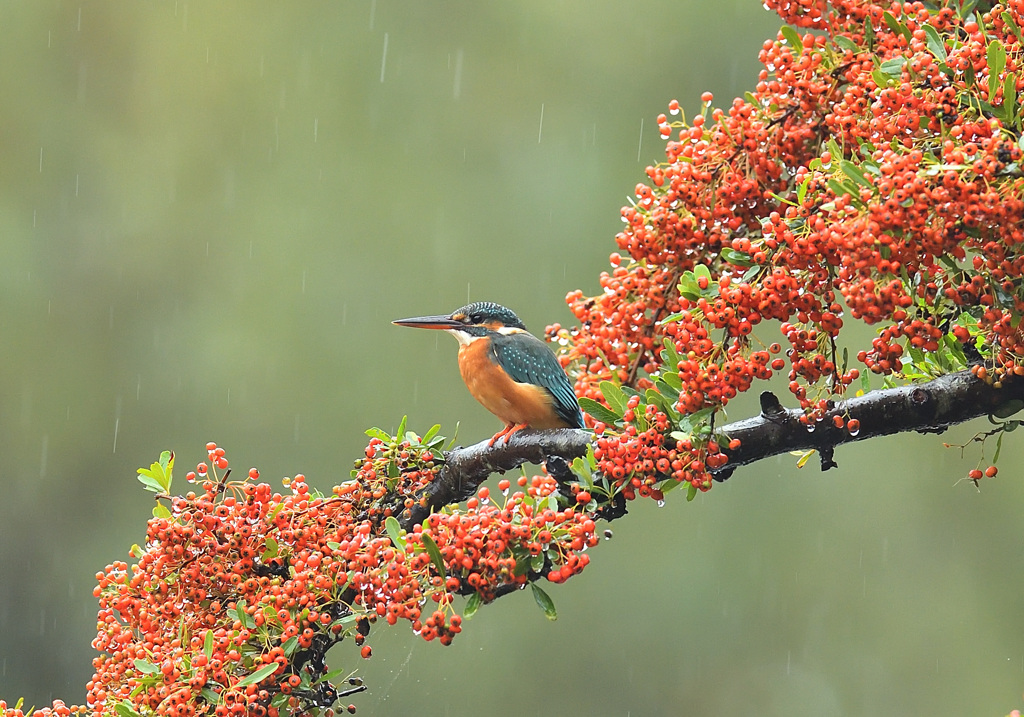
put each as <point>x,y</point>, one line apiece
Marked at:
<point>57,709</point>
<point>872,175</point>
<point>239,591</point>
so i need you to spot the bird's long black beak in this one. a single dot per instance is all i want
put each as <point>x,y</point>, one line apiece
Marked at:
<point>430,322</point>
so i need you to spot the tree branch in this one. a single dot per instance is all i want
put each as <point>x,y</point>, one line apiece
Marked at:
<point>466,468</point>
<point>923,407</point>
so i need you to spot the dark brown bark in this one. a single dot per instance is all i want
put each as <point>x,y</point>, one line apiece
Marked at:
<point>923,407</point>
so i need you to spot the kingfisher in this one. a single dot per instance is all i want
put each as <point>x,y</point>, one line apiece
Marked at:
<point>507,369</point>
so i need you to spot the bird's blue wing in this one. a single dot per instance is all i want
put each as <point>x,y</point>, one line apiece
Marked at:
<point>527,359</point>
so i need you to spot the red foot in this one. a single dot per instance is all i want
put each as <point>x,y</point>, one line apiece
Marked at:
<point>506,433</point>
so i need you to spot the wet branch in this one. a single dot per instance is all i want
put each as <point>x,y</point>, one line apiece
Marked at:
<point>924,407</point>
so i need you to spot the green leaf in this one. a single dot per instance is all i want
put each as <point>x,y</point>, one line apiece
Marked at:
<point>672,379</point>
<point>431,433</point>
<point>581,468</point>
<point>657,399</point>
<point>472,605</point>
<point>125,710</point>
<point>146,667</point>
<point>865,382</point>
<point>996,56</point>
<point>691,492</point>
<point>670,484</point>
<point>736,258</point>
<point>1010,23</point>
<point>208,644</point>
<point>394,532</point>
<point>804,457</point>
<point>614,397</point>
<point>801,191</point>
<point>522,564</point>
<point>840,188</point>
<point>893,67</point>
<point>270,551</point>
<point>869,32</point>
<point>259,675</point>
<point>1010,98</point>
<point>935,44</point>
<point>966,8</point>
<point>210,696</point>
<point>151,483</point>
<point>896,26</point>
<point>847,44</point>
<point>854,172</point>
<point>545,602</point>
<point>333,675</point>
<point>999,448</point>
<point>669,355</point>
<point>792,39</point>
<point>598,411</point>
<point>290,646</point>
<point>401,428</point>
<point>688,288</point>
<point>435,554</point>
<point>379,433</point>
<point>160,511</point>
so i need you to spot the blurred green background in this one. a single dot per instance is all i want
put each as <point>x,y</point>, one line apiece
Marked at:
<point>211,211</point>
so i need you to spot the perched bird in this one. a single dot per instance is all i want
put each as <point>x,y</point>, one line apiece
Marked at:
<point>508,370</point>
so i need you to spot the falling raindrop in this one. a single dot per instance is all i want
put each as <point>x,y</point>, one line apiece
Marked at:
<point>641,145</point>
<point>384,58</point>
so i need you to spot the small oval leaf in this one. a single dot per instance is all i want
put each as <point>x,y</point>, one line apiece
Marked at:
<point>545,602</point>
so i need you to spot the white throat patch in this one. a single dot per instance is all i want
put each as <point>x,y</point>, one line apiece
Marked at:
<point>464,338</point>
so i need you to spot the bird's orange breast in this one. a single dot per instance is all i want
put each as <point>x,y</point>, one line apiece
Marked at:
<point>512,402</point>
